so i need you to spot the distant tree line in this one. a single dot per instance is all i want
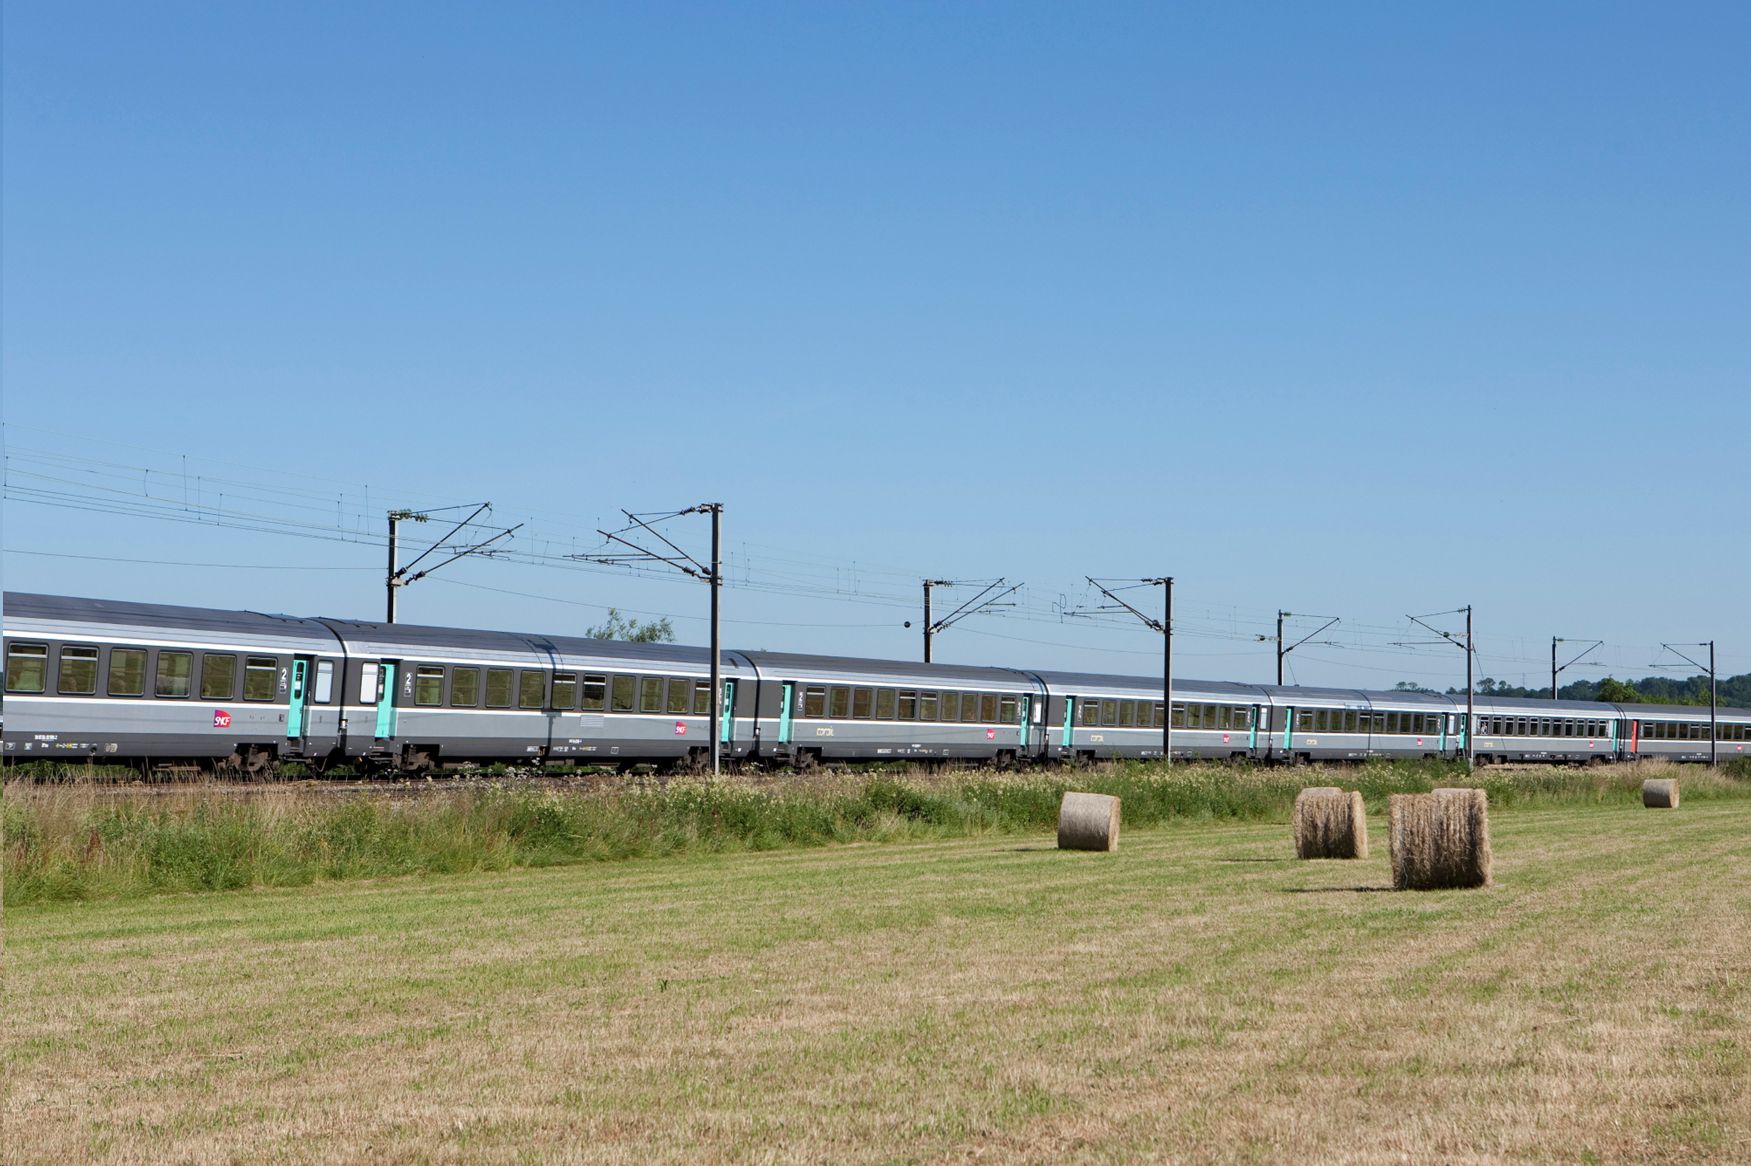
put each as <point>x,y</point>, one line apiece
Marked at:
<point>1733,690</point>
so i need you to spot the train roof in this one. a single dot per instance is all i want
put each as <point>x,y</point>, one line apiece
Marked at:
<point>797,662</point>
<point>1071,681</point>
<point>26,605</point>
<point>432,638</point>
<point>1695,712</point>
<point>1539,705</point>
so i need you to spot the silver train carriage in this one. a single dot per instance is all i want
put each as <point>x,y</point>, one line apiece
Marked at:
<point>157,684</point>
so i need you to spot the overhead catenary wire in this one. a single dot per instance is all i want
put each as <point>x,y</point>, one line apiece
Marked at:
<point>218,494</point>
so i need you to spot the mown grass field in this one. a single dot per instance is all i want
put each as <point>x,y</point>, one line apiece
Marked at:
<point>1199,996</point>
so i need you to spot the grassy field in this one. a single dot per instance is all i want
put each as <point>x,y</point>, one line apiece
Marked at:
<point>82,840</point>
<point>1198,996</point>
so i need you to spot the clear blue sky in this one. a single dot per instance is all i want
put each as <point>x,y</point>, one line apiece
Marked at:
<point>1353,309</point>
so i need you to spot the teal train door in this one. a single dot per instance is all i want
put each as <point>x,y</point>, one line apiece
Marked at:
<point>727,724</point>
<point>295,699</point>
<point>786,703</point>
<point>377,692</point>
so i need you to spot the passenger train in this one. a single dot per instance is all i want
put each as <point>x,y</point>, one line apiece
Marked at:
<point>157,685</point>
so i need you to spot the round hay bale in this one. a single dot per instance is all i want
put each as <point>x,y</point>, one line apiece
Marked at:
<point>1660,793</point>
<point>1329,823</point>
<point>1439,839</point>
<point>1088,822</point>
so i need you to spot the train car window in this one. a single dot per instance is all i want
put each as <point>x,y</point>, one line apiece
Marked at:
<point>927,706</point>
<point>27,667</point>
<point>1179,716</point>
<point>1089,711</point>
<point>565,691</point>
<point>680,696</point>
<point>949,706</point>
<point>531,689</point>
<point>702,699</point>
<point>259,674</point>
<point>127,672</point>
<point>814,701</point>
<point>595,693</point>
<point>175,671</point>
<point>498,688</point>
<point>1127,713</point>
<point>1109,712</point>
<point>862,703</point>
<point>78,673</point>
<point>428,684</point>
<point>650,694</point>
<point>624,694</point>
<point>1304,720</point>
<point>884,709</point>
<point>1008,709</point>
<point>988,708</point>
<point>908,706</point>
<point>464,687</point>
<point>368,690</point>
<point>839,702</point>
<point>970,707</point>
<point>218,676</point>
<point>1322,720</point>
<point>324,689</point>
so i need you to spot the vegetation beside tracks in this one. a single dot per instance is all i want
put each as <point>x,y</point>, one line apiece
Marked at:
<point>67,842</point>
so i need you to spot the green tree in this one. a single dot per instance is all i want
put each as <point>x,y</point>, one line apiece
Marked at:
<point>1614,691</point>
<point>620,627</point>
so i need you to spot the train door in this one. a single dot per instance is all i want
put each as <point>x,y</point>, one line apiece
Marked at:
<point>1021,729</point>
<point>786,707</point>
<point>1252,736</point>
<point>726,726</point>
<point>377,696</point>
<point>1289,732</point>
<point>1069,724</point>
<point>295,701</point>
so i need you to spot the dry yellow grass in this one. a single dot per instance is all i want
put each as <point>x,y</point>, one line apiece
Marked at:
<point>1088,822</point>
<point>1197,997</point>
<point>1328,822</point>
<point>1440,839</point>
<point>1660,793</point>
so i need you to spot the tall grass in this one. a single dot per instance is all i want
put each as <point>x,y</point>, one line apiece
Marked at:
<point>70,842</point>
